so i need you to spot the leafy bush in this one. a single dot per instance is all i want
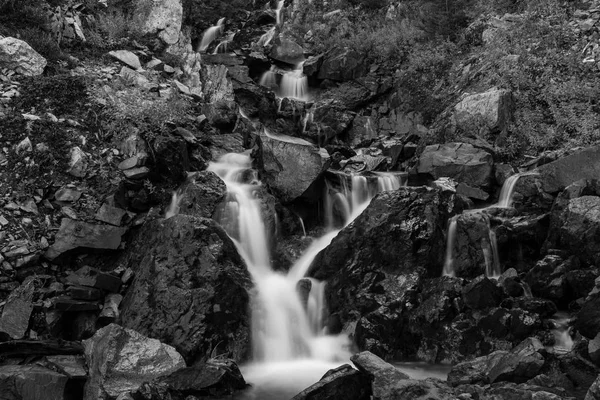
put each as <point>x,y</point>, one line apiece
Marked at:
<point>108,28</point>
<point>43,43</point>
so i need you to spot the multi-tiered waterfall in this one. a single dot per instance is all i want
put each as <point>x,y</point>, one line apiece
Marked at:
<point>287,338</point>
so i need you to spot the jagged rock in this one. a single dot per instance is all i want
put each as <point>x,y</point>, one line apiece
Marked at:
<point>471,192</point>
<point>481,293</point>
<point>126,57</point>
<point>161,17</point>
<point>67,195</point>
<point>201,194</point>
<point>330,119</point>
<point>580,281</point>
<point>371,284</point>
<point>17,55</point>
<point>593,392</point>
<point>92,277</point>
<point>419,390</point>
<point>362,131</point>
<point>472,248</point>
<point>588,318</point>
<point>342,64</point>
<point>312,65</point>
<point>120,360</point>
<point>460,161</point>
<point>521,363</point>
<point>75,234</point>
<point>382,376</point>
<point>110,310</point>
<point>580,228</point>
<point>216,377</point>
<point>401,123</point>
<point>547,278</point>
<point>110,215</point>
<point>15,316</point>
<point>492,109</point>
<point>475,370</point>
<point>291,165</point>
<point>31,382</point>
<point>190,287</point>
<point>171,157</point>
<point>73,366</point>
<point>78,163</point>
<point>286,50</point>
<point>217,85</point>
<point>343,382</point>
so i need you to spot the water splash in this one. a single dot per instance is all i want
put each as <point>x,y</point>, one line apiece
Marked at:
<point>308,119</point>
<point>269,79</point>
<point>563,342</point>
<point>210,35</point>
<point>223,45</point>
<point>508,190</point>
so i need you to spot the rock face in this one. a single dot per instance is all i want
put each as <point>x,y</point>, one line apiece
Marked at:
<point>459,161</point>
<point>120,360</point>
<point>594,390</point>
<point>291,165</point>
<point>342,64</point>
<point>395,242</point>
<point>472,247</point>
<point>382,376</point>
<point>17,55</point>
<point>75,234</point>
<point>588,318</point>
<point>491,109</point>
<point>31,382</point>
<point>190,288</point>
<point>201,194</point>
<point>520,364</point>
<point>330,119</point>
<point>161,17</point>
<point>286,50</point>
<point>343,382</point>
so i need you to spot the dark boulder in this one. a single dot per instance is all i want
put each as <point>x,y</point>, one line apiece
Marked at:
<point>381,375</point>
<point>521,363</point>
<point>459,161</point>
<point>200,194</point>
<point>171,157</point>
<point>291,165</point>
<point>472,251</point>
<point>330,119</point>
<point>475,370</point>
<point>588,318</point>
<point>31,382</point>
<point>342,64</point>
<point>190,287</point>
<point>481,293</point>
<point>547,278</point>
<point>594,391</point>
<point>343,382</point>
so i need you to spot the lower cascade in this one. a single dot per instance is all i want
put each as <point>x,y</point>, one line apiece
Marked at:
<point>284,333</point>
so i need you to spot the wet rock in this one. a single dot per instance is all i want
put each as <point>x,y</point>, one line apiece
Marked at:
<point>330,119</point>
<point>291,165</point>
<point>15,316</point>
<point>67,195</point>
<point>580,228</point>
<point>419,390</point>
<point>190,287</point>
<point>343,382</point>
<point>492,109</point>
<point>547,279</point>
<point>471,192</point>
<point>460,161</point>
<point>382,375</point>
<point>92,277</point>
<point>160,17</point>
<point>580,282</point>
<point>216,377</point>
<point>481,293</point>
<point>171,157</point>
<point>17,55</point>
<point>126,57</point>
<point>31,382</point>
<point>521,363</point>
<point>474,371</point>
<point>120,360</point>
<point>136,173</point>
<point>201,194</point>
<point>286,50</point>
<point>373,284</point>
<point>312,65</point>
<point>588,318</point>
<point>472,248</point>
<point>221,114</point>
<point>543,307</point>
<point>84,293</point>
<point>342,64</point>
<point>403,123</point>
<point>110,310</point>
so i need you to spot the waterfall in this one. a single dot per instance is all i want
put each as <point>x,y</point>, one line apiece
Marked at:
<point>508,190</point>
<point>563,342</point>
<point>294,84</point>
<point>308,119</point>
<point>278,19</point>
<point>449,258</point>
<point>173,208</point>
<point>210,35</point>
<point>302,225</point>
<point>287,338</point>
<point>223,44</point>
<point>266,38</point>
<point>268,79</point>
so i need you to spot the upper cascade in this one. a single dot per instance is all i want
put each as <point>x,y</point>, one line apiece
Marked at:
<point>210,35</point>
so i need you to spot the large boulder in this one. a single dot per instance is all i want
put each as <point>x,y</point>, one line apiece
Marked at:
<point>74,234</point>
<point>17,55</point>
<point>291,165</point>
<point>547,180</point>
<point>588,318</point>
<point>120,360</point>
<point>472,250</point>
<point>342,64</point>
<point>382,375</point>
<point>161,17</point>
<point>200,195</point>
<point>286,50</point>
<point>343,382</point>
<point>491,110</point>
<point>459,161</point>
<point>329,119</point>
<point>520,364</point>
<point>594,391</point>
<point>190,288</point>
<point>395,241</point>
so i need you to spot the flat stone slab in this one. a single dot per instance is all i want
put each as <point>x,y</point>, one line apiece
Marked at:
<point>126,57</point>
<point>31,382</point>
<point>15,317</point>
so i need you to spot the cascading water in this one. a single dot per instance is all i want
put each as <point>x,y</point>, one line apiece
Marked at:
<point>563,342</point>
<point>223,45</point>
<point>285,336</point>
<point>278,18</point>
<point>210,35</point>
<point>508,190</point>
<point>294,84</point>
<point>269,79</point>
<point>449,258</point>
<point>266,38</point>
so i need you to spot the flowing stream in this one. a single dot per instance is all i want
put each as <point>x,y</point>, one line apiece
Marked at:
<point>290,346</point>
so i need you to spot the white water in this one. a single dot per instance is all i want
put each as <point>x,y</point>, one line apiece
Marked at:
<point>223,45</point>
<point>269,79</point>
<point>290,344</point>
<point>210,35</point>
<point>563,342</point>
<point>278,10</point>
<point>294,84</point>
<point>308,119</point>
<point>508,190</point>
<point>173,208</point>
<point>266,38</point>
<point>449,259</point>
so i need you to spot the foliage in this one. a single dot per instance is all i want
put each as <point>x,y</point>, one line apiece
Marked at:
<point>108,28</point>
